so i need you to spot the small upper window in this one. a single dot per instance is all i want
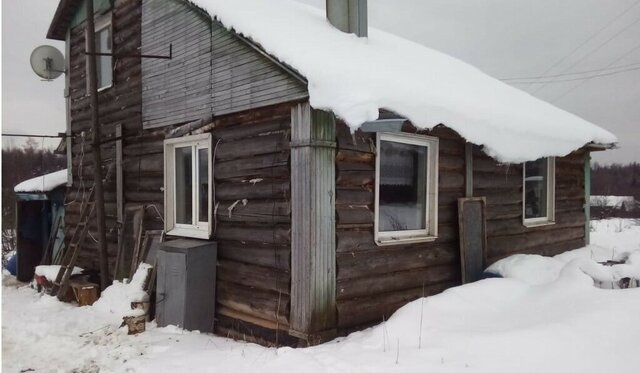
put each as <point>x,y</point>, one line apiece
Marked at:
<point>406,188</point>
<point>187,186</point>
<point>539,191</point>
<point>104,64</point>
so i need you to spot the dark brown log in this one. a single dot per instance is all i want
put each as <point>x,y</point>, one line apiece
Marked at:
<point>254,211</point>
<point>360,264</point>
<point>354,214</point>
<point>263,165</point>
<point>253,276</point>
<point>354,196</point>
<point>272,256</point>
<point>276,234</point>
<point>354,156</point>
<point>362,179</point>
<point>450,181</point>
<point>485,180</point>
<point>515,225</point>
<point>396,281</point>
<point>252,146</point>
<point>361,311</point>
<point>253,189</point>
<point>262,304</point>
<point>500,245</point>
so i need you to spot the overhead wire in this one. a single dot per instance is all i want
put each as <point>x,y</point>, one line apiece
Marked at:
<point>578,78</point>
<point>591,37</point>
<point>587,79</point>
<point>570,74</point>
<point>600,46</point>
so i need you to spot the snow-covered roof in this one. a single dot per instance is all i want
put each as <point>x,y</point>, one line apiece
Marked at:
<point>44,183</point>
<point>355,77</point>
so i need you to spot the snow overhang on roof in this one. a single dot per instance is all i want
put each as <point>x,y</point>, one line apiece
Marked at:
<point>43,184</point>
<point>356,77</point>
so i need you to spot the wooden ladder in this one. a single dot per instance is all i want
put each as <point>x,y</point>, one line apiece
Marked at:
<point>61,284</point>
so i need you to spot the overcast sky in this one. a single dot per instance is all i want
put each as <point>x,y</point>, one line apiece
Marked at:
<point>504,38</point>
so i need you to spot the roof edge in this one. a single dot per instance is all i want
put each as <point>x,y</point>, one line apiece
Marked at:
<point>62,18</point>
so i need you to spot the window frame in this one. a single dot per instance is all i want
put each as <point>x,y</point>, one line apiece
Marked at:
<point>431,191</point>
<point>551,196</point>
<point>199,229</point>
<point>100,23</point>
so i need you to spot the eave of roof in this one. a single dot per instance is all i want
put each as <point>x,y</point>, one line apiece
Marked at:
<point>62,18</point>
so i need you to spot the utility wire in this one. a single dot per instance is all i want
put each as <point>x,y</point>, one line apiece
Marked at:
<point>561,60</point>
<point>607,69</point>
<point>594,50</point>
<point>586,80</point>
<point>579,78</point>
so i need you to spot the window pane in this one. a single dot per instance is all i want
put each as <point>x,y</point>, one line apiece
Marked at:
<point>535,184</point>
<point>184,186</point>
<point>402,194</point>
<point>203,185</point>
<point>103,63</point>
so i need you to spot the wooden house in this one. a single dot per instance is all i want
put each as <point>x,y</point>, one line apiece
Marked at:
<point>320,229</point>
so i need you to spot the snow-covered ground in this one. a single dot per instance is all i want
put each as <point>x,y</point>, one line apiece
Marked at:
<point>546,317</point>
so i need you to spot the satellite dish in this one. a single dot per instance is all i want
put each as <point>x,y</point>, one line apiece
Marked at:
<point>47,62</point>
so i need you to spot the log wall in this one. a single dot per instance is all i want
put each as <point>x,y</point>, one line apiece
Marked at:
<point>373,281</point>
<point>119,106</point>
<point>252,214</point>
<point>502,186</point>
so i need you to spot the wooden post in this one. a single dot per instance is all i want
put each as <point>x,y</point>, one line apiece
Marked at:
<point>97,158</point>
<point>468,165</point>
<point>587,197</point>
<point>313,252</point>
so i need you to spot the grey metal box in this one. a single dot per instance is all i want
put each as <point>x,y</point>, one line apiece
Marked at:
<point>186,284</point>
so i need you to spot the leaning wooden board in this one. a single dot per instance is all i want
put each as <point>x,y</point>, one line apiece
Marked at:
<point>473,237</point>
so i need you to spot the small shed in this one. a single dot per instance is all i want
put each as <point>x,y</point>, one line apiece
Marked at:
<point>40,207</point>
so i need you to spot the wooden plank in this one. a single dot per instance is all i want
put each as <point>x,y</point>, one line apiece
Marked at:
<point>313,276</point>
<point>473,238</point>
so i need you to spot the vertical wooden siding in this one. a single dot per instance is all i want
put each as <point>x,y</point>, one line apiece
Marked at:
<point>243,79</point>
<point>373,281</point>
<point>176,90</point>
<point>213,71</point>
<point>313,275</point>
<point>119,105</point>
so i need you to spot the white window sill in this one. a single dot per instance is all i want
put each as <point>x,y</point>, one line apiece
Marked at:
<point>190,233</point>
<point>538,224</point>
<point>403,241</point>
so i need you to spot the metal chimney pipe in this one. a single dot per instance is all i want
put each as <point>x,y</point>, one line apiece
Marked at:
<point>348,16</point>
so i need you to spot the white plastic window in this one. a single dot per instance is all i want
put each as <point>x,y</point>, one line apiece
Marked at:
<point>104,44</point>
<point>406,188</point>
<point>538,206</point>
<point>188,185</point>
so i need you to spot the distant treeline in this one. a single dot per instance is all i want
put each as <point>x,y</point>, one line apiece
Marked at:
<point>616,180</point>
<point>20,164</point>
